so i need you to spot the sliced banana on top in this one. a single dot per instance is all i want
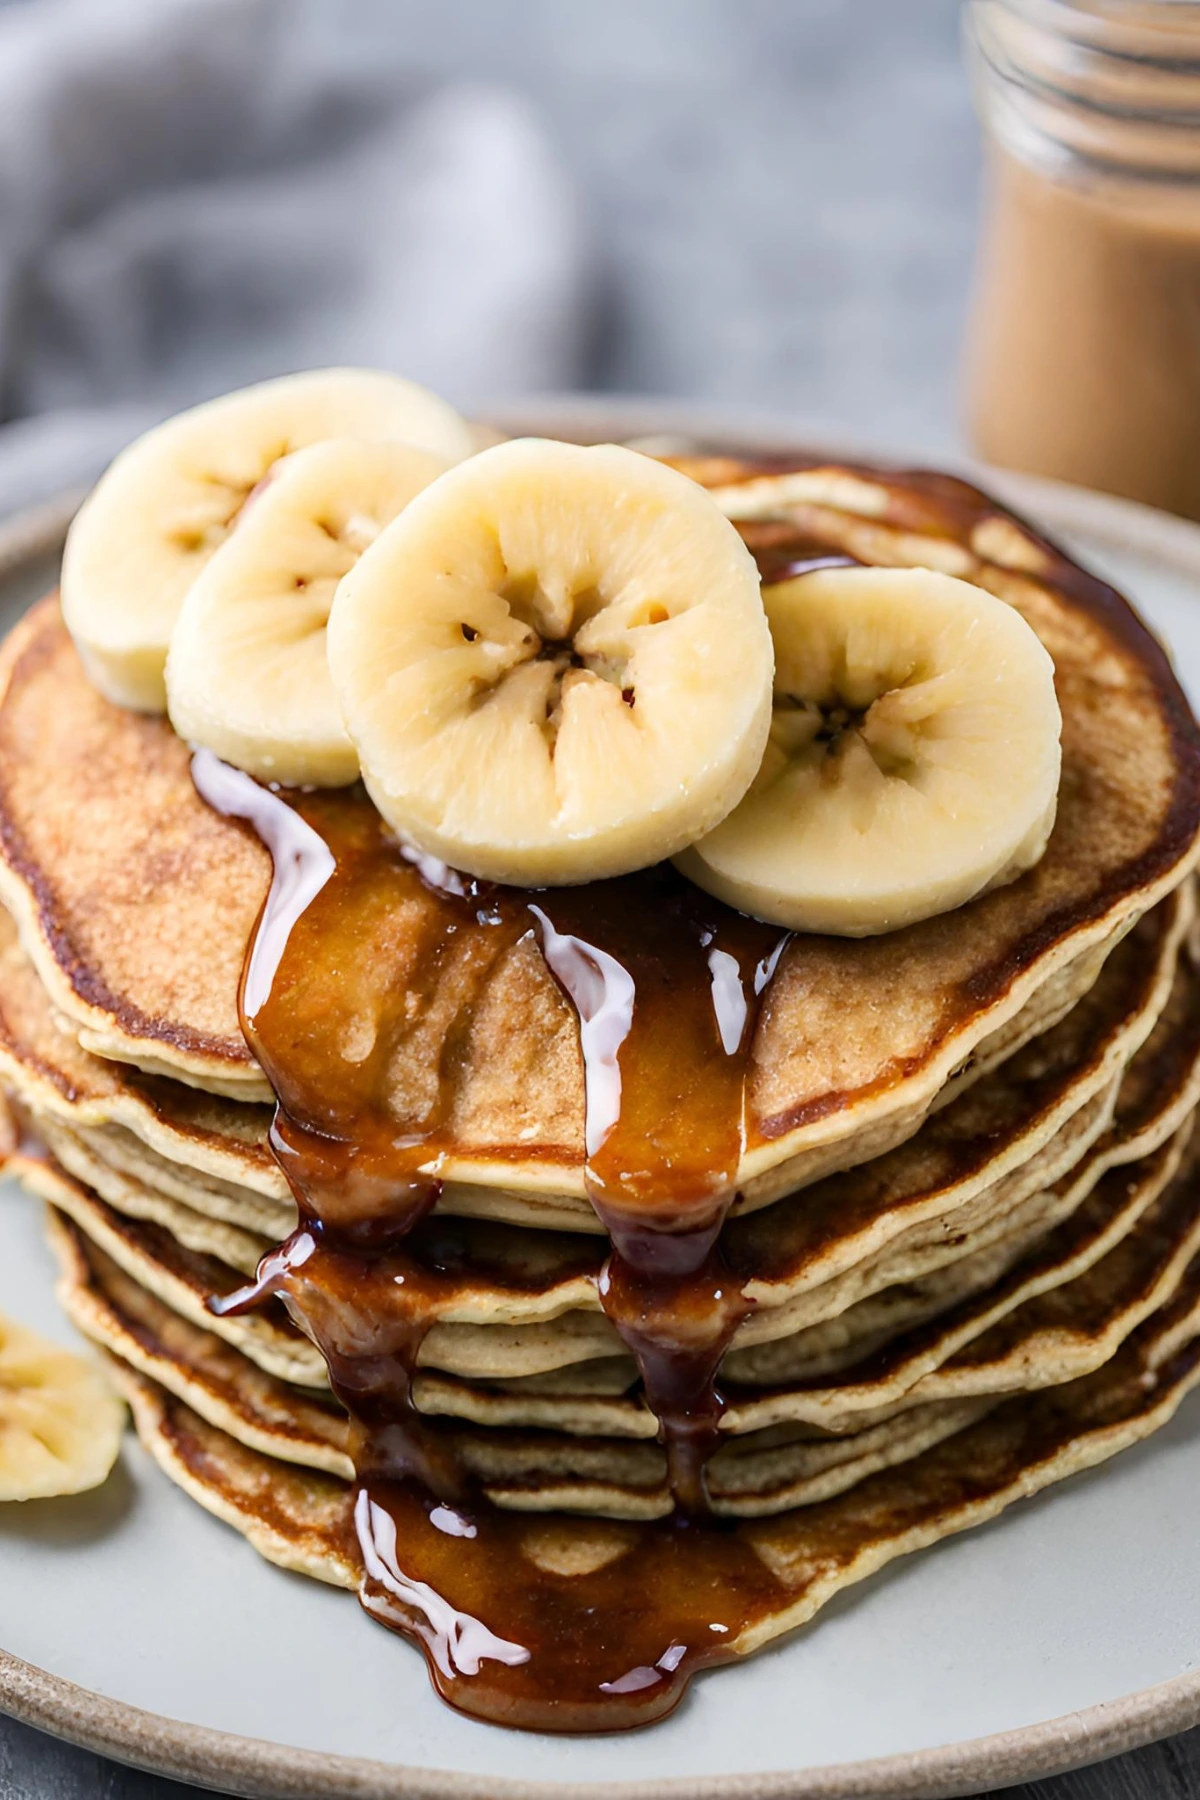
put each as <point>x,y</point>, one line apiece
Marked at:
<point>555,664</point>
<point>247,675</point>
<point>913,759</point>
<point>168,501</point>
<point>60,1421</point>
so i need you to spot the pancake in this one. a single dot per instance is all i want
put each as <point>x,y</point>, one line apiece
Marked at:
<point>1132,1043</point>
<point>302,1520</point>
<point>54,1080</point>
<point>187,1277</point>
<point>524,1472</point>
<point>759,1474</point>
<point>1159,1090</point>
<point>42,1061</point>
<point>1129,1237</point>
<point>1154,1102</point>
<point>599,1393</point>
<point>182,1278</point>
<point>212,1154</point>
<point>977,1165</point>
<point>208,1236</point>
<point>266,1413</point>
<point>136,902</point>
<point>128,1157</point>
<point>1112,1267</point>
<point>932,1362</point>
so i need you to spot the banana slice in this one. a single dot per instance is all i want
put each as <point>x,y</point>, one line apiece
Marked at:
<point>60,1422</point>
<point>555,664</point>
<point>247,674</point>
<point>167,502</point>
<point>913,760</point>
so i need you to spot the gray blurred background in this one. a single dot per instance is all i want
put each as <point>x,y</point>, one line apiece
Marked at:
<point>766,203</point>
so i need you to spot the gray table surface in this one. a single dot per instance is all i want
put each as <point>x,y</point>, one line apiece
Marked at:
<point>782,197</point>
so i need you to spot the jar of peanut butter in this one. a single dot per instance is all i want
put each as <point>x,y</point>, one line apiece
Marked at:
<point>1083,351</point>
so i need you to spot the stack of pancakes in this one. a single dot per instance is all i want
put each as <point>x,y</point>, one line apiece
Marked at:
<point>967,1213</point>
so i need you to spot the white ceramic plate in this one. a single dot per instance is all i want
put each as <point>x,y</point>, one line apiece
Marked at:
<point>1067,1630</point>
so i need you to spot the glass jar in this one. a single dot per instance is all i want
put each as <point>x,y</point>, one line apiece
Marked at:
<point>1083,350</point>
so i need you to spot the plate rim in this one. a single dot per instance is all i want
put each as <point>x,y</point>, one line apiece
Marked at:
<point>262,1770</point>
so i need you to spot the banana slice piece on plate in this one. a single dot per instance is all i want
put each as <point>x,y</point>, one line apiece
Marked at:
<point>555,664</point>
<point>167,502</point>
<point>913,759</point>
<point>60,1421</point>
<point>247,675</point>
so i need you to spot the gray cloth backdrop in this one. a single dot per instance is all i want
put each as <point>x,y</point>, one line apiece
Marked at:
<point>198,193</point>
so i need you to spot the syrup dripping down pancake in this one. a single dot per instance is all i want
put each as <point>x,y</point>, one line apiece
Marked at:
<point>301,1519</point>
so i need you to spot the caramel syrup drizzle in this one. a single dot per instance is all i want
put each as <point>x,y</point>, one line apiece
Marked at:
<point>365,953</point>
<point>667,986</point>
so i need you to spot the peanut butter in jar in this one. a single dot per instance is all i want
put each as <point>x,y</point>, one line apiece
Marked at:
<point>1083,352</point>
